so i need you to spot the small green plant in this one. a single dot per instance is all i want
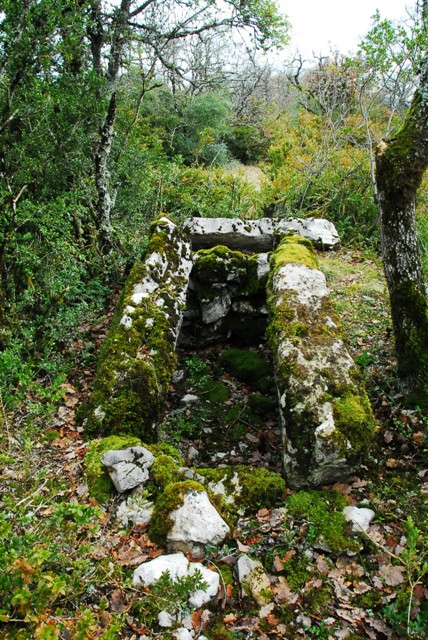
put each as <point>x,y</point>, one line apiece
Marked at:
<point>197,372</point>
<point>414,559</point>
<point>170,595</point>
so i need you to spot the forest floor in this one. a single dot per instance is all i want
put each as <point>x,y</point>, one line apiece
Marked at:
<point>67,563</point>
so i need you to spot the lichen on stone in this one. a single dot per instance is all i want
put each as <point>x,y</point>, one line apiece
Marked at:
<point>326,418</point>
<point>138,356</point>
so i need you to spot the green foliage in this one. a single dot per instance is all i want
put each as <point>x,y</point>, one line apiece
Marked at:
<point>169,595</point>
<point>320,171</point>
<point>39,569</point>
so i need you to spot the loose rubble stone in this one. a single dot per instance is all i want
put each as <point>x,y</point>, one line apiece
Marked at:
<point>226,289</point>
<point>254,579</point>
<point>128,468</point>
<point>177,566</point>
<point>196,523</point>
<point>182,634</point>
<point>258,235</point>
<point>135,508</point>
<point>360,517</point>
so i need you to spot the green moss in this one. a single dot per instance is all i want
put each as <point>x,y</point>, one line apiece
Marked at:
<point>262,405</point>
<point>171,499</point>
<point>323,512</point>
<point>164,470</point>
<point>294,249</point>
<point>354,418</point>
<point>169,450</point>
<point>214,265</point>
<point>136,362</point>
<point>317,601</point>
<point>219,263</point>
<point>297,571</point>
<point>96,475</point>
<point>219,632</point>
<point>215,392</point>
<point>248,366</point>
<point>260,488</point>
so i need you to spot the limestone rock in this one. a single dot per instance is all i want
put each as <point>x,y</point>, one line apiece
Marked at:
<point>326,418</point>
<point>196,523</point>
<point>135,508</point>
<point>212,580</point>
<point>182,634</point>
<point>360,517</point>
<point>254,579</point>
<point>177,566</point>
<point>136,366</point>
<point>128,468</point>
<point>258,235</point>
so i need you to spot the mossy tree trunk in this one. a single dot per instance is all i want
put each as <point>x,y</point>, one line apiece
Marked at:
<point>400,165</point>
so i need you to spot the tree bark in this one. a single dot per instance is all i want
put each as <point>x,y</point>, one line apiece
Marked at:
<point>102,176</point>
<point>400,165</point>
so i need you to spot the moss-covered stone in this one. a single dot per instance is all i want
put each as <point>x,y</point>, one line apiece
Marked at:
<point>164,471</point>
<point>326,418</point>
<point>247,488</point>
<point>294,249</point>
<point>323,512</point>
<point>96,475</point>
<point>171,499</point>
<point>138,356</point>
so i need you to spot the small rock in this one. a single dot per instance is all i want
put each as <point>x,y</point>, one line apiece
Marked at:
<point>166,620</point>
<point>182,634</point>
<point>192,453</point>
<point>176,564</point>
<point>212,579</point>
<point>196,522</point>
<point>136,508</point>
<point>128,468</point>
<point>254,579</point>
<point>189,398</point>
<point>359,517</point>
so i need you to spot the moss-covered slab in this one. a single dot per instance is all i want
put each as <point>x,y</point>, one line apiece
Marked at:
<point>326,418</point>
<point>138,356</point>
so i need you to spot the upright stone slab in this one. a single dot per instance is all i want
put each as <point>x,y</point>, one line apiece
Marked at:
<point>326,418</point>
<point>138,356</point>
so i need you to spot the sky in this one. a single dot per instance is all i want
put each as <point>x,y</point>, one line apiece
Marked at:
<point>317,24</point>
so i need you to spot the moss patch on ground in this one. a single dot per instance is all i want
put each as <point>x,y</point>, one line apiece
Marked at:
<point>322,510</point>
<point>257,487</point>
<point>248,366</point>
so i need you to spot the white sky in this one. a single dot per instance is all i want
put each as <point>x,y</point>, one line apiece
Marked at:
<point>317,24</point>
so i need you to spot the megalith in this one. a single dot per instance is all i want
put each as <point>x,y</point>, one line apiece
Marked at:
<point>326,418</point>
<point>138,357</point>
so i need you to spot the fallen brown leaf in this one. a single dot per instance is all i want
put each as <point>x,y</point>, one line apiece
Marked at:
<point>391,575</point>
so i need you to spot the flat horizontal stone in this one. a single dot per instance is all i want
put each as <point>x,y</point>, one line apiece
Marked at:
<point>258,235</point>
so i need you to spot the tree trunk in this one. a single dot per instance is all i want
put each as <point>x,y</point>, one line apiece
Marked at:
<point>102,176</point>
<point>400,165</point>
